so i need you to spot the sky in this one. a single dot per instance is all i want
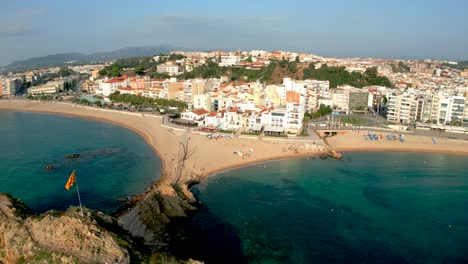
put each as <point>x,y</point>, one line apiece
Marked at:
<point>401,29</point>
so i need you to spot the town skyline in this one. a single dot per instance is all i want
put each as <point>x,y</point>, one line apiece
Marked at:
<point>354,30</point>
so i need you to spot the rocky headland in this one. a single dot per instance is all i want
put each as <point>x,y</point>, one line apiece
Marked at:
<point>68,237</point>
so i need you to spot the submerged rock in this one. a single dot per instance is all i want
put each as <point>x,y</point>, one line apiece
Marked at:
<point>73,156</point>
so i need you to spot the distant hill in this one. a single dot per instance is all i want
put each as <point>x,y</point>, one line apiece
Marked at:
<point>63,59</point>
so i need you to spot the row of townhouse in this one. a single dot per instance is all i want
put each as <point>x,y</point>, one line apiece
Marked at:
<point>283,120</point>
<point>416,106</point>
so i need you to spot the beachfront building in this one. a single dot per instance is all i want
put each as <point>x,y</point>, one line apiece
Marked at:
<point>294,117</point>
<point>278,121</point>
<point>51,87</point>
<point>233,119</point>
<point>196,115</point>
<point>452,109</point>
<point>214,120</point>
<point>375,99</point>
<point>110,86</point>
<point>348,98</point>
<point>10,86</point>
<point>401,107</point>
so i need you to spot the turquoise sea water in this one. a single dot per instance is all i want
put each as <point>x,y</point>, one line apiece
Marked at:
<point>367,208</point>
<point>115,162</point>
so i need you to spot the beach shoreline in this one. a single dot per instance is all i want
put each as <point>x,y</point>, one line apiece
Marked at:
<point>340,143</point>
<point>433,151</point>
<point>163,152</point>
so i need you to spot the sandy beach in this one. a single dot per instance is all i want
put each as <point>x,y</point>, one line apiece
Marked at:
<point>209,155</point>
<point>214,155</point>
<point>354,141</point>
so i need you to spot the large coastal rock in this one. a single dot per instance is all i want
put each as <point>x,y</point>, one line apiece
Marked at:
<point>150,215</point>
<point>54,237</point>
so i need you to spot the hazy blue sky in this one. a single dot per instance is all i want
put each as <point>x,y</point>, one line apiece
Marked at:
<point>342,28</point>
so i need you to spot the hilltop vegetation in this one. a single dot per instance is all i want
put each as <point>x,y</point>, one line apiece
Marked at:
<point>277,70</point>
<point>340,76</point>
<point>140,66</point>
<point>274,73</point>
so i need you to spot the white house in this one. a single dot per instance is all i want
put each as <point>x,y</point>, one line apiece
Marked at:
<point>197,115</point>
<point>214,119</point>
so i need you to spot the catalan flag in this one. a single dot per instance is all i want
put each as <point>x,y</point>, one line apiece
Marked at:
<point>71,181</point>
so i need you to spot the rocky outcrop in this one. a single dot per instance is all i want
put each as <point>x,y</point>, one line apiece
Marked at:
<point>54,237</point>
<point>150,215</point>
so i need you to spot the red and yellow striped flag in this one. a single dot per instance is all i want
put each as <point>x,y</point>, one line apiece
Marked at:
<point>71,181</point>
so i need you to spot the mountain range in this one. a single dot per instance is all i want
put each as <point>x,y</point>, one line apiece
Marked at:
<point>74,58</point>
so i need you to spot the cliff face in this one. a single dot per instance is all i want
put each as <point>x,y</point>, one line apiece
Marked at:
<point>54,238</point>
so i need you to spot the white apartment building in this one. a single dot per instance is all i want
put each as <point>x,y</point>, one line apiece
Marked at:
<point>401,107</point>
<point>229,60</point>
<point>171,70</point>
<point>409,107</point>
<point>112,85</point>
<point>451,109</point>
<point>294,117</point>
<point>202,101</point>
<point>288,120</point>
<point>340,99</point>
<point>234,119</point>
<point>11,86</point>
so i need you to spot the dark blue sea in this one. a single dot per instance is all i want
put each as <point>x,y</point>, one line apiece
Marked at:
<point>114,163</point>
<point>380,207</point>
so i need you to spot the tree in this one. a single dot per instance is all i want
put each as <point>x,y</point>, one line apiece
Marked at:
<point>64,72</point>
<point>185,152</point>
<point>371,72</point>
<point>111,71</point>
<point>175,56</point>
<point>139,70</point>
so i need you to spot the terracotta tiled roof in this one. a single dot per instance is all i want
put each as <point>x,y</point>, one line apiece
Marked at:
<point>200,111</point>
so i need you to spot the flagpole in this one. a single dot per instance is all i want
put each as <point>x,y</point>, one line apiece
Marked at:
<point>79,198</point>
